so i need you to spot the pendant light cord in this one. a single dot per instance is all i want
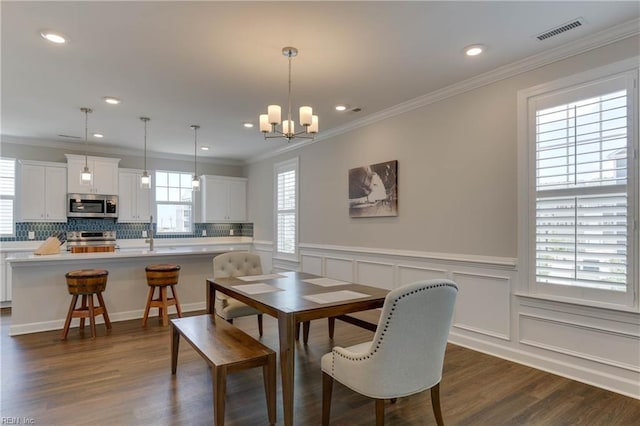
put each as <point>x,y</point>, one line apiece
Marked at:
<point>195,151</point>
<point>289,98</point>
<point>86,131</point>
<point>145,145</point>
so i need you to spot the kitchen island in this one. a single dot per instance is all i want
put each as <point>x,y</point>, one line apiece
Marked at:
<point>40,299</point>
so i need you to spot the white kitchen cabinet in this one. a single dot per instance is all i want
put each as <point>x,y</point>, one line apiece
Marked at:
<point>43,192</point>
<point>134,203</point>
<point>104,174</point>
<point>5,286</point>
<point>224,199</point>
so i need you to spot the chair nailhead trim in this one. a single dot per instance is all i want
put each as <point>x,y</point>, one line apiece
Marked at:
<point>387,324</point>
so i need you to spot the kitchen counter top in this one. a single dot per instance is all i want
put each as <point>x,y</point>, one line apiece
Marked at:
<point>40,297</point>
<point>160,243</point>
<point>131,252</point>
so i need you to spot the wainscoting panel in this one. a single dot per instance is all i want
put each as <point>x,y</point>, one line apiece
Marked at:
<point>613,348</point>
<point>410,274</point>
<point>376,274</point>
<point>311,264</point>
<point>477,293</point>
<point>339,268</point>
<point>597,346</point>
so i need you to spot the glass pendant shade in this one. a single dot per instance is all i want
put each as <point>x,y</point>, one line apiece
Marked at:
<point>195,181</point>
<point>85,175</point>
<point>145,180</point>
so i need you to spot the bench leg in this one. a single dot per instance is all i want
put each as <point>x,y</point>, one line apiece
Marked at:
<point>269,374</point>
<point>175,346</point>
<point>260,324</point>
<point>219,381</point>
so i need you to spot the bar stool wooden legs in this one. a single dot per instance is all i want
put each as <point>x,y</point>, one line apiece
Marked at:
<point>86,283</point>
<point>161,276</point>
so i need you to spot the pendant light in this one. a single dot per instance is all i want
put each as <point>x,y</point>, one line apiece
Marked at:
<point>85,175</point>
<point>145,179</point>
<point>195,182</point>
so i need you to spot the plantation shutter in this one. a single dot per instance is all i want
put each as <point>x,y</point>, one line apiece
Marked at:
<point>582,215</point>
<point>7,195</point>
<point>286,210</point>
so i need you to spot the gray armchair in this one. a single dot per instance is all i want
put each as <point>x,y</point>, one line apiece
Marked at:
<point>236,264</point>
<point>407,352</point>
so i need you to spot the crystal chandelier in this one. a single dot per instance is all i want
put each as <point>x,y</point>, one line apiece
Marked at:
<point>270,121</point>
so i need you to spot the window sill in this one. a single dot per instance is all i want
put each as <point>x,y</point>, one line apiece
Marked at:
<point>579,303</point>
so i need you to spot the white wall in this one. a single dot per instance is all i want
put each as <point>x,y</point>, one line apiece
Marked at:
<point>457,187</point>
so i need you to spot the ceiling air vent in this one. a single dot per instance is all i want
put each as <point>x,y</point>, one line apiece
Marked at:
<point>70,137</point>
<point>561,29</point>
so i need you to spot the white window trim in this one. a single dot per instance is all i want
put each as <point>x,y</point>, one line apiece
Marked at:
<point>13,197</point>
<point>527,285</point>
<point>292,164</point>
<point>156,203</point>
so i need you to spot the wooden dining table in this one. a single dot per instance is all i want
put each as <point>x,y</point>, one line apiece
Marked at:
<point>292,298</point>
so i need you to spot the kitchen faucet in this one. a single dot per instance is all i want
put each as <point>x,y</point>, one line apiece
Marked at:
<point>150,239</point>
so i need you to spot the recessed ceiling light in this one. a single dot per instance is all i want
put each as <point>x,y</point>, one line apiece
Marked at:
<point>341,107</point>
<point>54,37</point>
<point>98,135</point>
<point>111,100</point>
<point>204,148</point>
<point>248,125</point>
<point>474,49</point>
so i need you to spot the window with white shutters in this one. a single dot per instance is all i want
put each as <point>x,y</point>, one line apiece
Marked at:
<point>286,208</point>
<point>7,195</point>
<point>583,200</point>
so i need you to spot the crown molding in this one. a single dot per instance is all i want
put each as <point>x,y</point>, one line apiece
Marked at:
<point>584,44</point>
<point>112,150</point>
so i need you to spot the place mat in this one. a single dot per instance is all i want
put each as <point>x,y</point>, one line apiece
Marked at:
<point>260,277</point>
<point>335,296</point>
<point>325,282</point>
<point>258,288</point>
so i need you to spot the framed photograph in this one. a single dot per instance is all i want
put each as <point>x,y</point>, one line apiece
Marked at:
<point>373,190</point>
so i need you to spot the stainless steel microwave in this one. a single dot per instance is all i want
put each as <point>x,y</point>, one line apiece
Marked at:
<point>92,206</point>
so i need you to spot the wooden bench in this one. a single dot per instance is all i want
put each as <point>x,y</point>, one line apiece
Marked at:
<point>227,349</point>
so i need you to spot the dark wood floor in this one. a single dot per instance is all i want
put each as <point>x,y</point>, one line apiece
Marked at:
<point>123,377</point>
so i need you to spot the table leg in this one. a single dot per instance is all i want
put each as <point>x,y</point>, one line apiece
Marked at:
<point>211,298</point>
<point>286,331</point>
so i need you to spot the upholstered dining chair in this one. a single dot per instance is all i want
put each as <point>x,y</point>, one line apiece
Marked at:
<point>407,352</point>
<point>236,264</point>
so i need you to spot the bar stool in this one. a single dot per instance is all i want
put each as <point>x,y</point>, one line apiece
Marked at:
<point>161,276</point>
<point>86,283</point>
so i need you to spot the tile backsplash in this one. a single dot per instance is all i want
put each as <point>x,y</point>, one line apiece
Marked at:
<point>43,230</point>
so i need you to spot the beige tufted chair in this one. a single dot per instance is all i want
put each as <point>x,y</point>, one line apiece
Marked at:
<point>235,264</point>
<point>407,351</point>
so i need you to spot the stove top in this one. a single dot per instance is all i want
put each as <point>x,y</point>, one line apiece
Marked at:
<point>91,239</point>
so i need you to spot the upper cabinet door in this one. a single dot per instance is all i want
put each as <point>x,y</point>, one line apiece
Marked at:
<point>224,199</point>
<point>32,192</point>
<point>56,194</point>
<point>134,203</point>
<point>43,192</point>
<point>104,174</point>
<point>237,197</point>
